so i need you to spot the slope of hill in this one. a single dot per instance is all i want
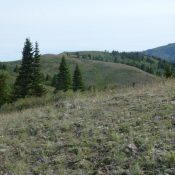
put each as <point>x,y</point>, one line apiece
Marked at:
<point>128,131</point>
<point>96,73</point>
<point>165,52</point>
<point>150,64</point>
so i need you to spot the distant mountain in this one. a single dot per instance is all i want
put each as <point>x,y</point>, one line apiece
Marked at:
<point>165,52</point>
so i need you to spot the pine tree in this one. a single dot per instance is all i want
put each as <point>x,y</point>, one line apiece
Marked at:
<point>63,78</point>
<point>37,87</point>
<point>4,90</point>
<point>77,80</point>
<point>23,84</point>
<point>48,77</point>
<point>4,67</point>
<point>54,81</point>
<point>169,71</point>
<point>16,69</point>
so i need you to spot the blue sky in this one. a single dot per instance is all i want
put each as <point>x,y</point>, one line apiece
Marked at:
<point>72,25</point>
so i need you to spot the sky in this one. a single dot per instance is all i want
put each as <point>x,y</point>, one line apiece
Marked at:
<point>76,25</point>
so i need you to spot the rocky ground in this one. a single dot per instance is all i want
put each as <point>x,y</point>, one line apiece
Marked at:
<point>129,131</point>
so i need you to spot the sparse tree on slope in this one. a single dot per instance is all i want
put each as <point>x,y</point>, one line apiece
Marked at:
<point>77,80</point>
<point>54,80</point>
<point>37,87</point>
<point>4,90</point>
<point>16,69</point>
<point>169,71</point>
<point>63,78</point>
<point>23,84</point>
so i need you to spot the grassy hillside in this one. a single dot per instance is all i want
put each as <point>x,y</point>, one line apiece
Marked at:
<point>96,73</point>
<point>150,64</point>
<point>126,131</point>
<point>165,52</point>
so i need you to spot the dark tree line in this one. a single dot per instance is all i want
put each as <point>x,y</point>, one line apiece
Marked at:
<point>148,64</point>
<point>3,66</point>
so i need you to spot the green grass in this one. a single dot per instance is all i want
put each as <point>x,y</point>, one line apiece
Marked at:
<point>97,73</point>
<point>119,131</point>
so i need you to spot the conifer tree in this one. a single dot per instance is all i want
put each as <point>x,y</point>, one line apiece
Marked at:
<point>23,82</point>
<point>37,87</point>
<point>4,90</point>
<point>77,80</point>
<point>16,69</point>
<point>54,81</point>
<point>48,77</point>
<point>29,80</point>
<point>169,71</point>
<point>63,78</point>
<point>4,67</point>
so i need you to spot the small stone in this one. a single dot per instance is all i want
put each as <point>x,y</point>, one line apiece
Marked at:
<point>173,102</point>
<point>3,148</point>
<point>157,117</point>
<point>65,105</point>
<point>132,147</point>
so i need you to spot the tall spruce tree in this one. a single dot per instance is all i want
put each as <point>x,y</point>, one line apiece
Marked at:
<point>4,90</point>
<point>37,87</point>
<point>77,80</point>
<point>63,78</point>
<point>23,84</point>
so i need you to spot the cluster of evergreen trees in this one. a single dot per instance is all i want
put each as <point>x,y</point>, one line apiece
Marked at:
<point>63,81</point>
<point>29,81</point>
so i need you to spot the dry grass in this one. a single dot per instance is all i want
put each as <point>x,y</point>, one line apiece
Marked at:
<point>128,131</point>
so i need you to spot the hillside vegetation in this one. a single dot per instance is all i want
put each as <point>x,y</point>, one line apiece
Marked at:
<point>150,64</point>
<point>119,132</point>
<point>94,73</point>
<point>165,52</point>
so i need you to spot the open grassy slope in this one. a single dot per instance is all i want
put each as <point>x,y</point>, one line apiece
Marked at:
<point>95,72</point>
<point>119,132</point>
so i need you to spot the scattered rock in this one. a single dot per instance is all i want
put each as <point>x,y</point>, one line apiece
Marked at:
<point>173,102</point>
<point>3,148</point>
<point>172,142</point>
<point>66,105</point>
<point>132,147</point>
<point>126,173</point>
<point>157,117</point>
<point>170,171</point>
<point>164,101</point>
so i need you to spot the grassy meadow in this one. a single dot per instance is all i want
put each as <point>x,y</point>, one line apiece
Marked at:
<point>94,73</point>
<point>127,131</point>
